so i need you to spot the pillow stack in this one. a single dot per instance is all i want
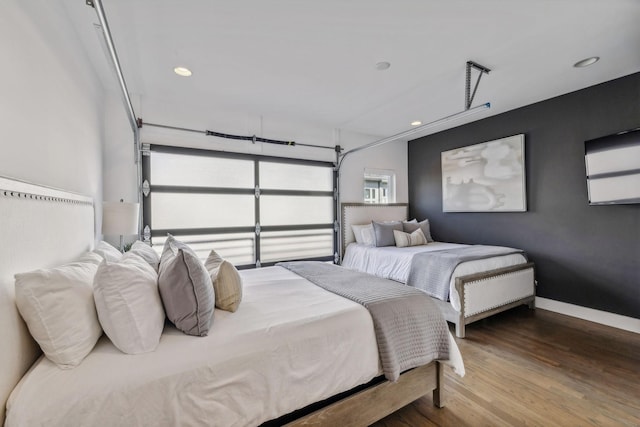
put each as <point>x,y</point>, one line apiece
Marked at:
<point>413,233</point>
<point>66,308</point>
<point>390,233</point>
<point>413,225</point>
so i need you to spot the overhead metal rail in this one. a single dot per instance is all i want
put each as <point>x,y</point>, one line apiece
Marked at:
<point>252,138</point>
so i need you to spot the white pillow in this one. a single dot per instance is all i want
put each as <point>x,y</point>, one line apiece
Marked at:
<point>363,234</point>
<point>368,236</point>
<point>57,306</point>
<point>128,304</point>
<point>108,252</point>
<point>227,283</point>
<point>415,238</point>
<point>147,253</point>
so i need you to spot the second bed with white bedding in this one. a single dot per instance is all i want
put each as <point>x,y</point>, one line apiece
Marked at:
<point>394,263</point>
<point>477,288</point>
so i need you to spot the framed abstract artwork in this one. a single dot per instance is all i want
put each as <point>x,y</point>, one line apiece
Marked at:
<point>486,177</point>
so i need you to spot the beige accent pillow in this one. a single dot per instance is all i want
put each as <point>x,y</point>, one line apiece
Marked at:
<point>227,283</point>
<point>128,303</point>
<point>405,239</point>
<point>57,306</point>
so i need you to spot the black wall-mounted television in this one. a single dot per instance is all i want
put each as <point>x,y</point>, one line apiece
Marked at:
<point>613,168</point>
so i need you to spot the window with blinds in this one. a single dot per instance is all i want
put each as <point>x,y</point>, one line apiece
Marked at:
<point>253,210</point>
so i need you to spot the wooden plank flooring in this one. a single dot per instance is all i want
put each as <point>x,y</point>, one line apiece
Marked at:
<point>537,368</point>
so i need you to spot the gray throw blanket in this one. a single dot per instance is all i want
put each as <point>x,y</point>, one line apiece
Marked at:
<point>409,328</point>
<point>431,271</point>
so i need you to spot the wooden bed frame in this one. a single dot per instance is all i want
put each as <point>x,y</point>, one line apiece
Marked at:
<point>472,287</point>
<point>481,295</point>
<point>47,227</point>
<point>376,402</point>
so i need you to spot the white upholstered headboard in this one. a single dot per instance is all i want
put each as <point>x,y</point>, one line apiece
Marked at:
<point>39,227</point>
<point>364,213</point>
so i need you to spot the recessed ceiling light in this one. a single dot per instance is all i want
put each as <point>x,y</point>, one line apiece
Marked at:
<point>381,66</point>
<point>587,62</point>
<point>182,71</point>
<point>416,123</point>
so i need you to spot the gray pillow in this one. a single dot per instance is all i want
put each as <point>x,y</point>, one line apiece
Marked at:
<point>185,288</point>
<point>383,232</point>
<point>411,226</point>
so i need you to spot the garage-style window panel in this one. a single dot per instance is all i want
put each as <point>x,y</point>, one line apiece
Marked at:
<point>252,210</point>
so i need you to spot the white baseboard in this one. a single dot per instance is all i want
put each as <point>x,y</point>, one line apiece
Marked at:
<point>603,317</point>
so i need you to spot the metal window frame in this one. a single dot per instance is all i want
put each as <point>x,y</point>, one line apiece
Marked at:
<point>258,228</point>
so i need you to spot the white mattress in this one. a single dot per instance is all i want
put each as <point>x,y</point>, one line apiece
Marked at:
<point>286,347</point>
<point>394,263</point>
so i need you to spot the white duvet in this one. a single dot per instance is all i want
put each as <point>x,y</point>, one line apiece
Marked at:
<point>290,343</point>
<point>394,263</point>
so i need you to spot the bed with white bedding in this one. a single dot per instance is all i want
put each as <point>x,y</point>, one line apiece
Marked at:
<point>285,348</point>
<point>477,288</point>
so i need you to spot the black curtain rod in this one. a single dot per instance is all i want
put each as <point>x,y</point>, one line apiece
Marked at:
<point>252,138</point>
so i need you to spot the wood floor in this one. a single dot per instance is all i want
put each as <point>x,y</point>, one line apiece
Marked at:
<point>537,368</point>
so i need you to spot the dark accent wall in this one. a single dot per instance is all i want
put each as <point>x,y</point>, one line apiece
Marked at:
<point>584,255</point>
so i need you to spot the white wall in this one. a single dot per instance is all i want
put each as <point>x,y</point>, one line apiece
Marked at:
<point>119,168</point>
<point>391,156</point>
<point>51,114</point>
<point>120,172</point>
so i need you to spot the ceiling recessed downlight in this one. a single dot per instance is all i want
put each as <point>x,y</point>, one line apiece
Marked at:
<point>586,62</point>
<point>381,66</point>
<point>416,123</point>
<point>182,71</point>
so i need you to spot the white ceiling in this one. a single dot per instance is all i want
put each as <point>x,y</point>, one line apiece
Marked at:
<point>314,61</point>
